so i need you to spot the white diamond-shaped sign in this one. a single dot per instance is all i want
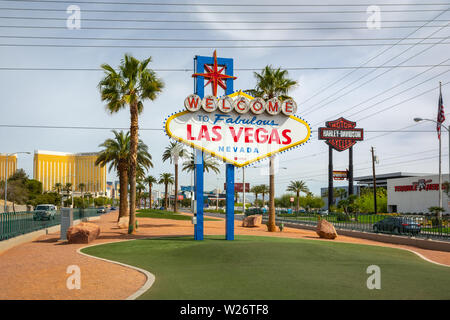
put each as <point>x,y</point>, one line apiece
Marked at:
<point>239,139</point>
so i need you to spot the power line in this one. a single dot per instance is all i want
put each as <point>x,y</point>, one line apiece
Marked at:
<point>236,69</point>
<point>397,94</point>
<point>216,21</point>
<point>361,169</point>
<point>361,163</point>
<point>397,104</point>
<point>368,139</point>
<point>220,12</point>
<point>212,47</point>
<point>371,59</point>
<point>210,40</point>
<point>370,72</point>
<point>206,4</point>
<point>385,91</point>
<point>218,29</point>
<point>72,127</point>
<point>152,129</point>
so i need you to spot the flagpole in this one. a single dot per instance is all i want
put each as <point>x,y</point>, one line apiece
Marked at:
<point>440,175</point>
<point>440,153</point>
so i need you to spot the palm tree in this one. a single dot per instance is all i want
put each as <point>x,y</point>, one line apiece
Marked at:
<point>140,188</point>
<point>173,152</point>
<point>131,85</point>
<point>145,197</point>
<point>116,152</point>
<point>272,83</point>
<point>82,186</point>
<point>209,163</point>
<point>297,187</point>
<point>256,190</point>
<point>264,189</point>
<point>150,180</point>
<point>58,187</point>
<point>341,193</point>
<point>166,179</point>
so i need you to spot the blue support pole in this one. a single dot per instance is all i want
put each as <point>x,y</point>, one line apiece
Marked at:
<point>198,231</point>
<point>199,63</point>
<point>230,202</point>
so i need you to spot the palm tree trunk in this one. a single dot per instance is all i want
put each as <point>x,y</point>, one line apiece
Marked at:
<point>123,181</point>
<point>134,138</point>
<point>150,195</point>
<point>271,227</point>
<point>298,201</point>
<point>175,204</point>
<point>165,196</point>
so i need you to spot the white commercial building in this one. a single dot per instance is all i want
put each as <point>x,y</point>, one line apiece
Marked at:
<point>416,194</point>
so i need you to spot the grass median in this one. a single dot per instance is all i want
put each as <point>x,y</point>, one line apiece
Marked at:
<point>252,267</point>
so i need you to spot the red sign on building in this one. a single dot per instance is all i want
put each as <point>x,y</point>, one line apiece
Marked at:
<point>238,187</point>
<point>420,185</point>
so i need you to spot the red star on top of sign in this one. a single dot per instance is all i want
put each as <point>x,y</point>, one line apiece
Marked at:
<point>215,76</point>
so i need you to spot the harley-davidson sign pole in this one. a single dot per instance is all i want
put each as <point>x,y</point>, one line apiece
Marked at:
<point>330,177</point>
<point>350,171</point>
<point>340,135</point>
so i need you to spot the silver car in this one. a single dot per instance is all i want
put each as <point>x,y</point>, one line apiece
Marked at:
<point>44,212</point>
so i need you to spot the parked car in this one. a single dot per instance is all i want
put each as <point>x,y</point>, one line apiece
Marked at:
<point>397,225</point>
<point>323,212</point>
<point>113,208</point>
<point>44,212</point>
<point>101,210</point>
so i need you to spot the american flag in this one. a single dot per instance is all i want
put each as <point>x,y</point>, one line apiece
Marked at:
<point>440,116</point>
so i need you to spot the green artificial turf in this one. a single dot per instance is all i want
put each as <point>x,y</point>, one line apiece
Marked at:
<point>253,267</point>
<point>162,214</point>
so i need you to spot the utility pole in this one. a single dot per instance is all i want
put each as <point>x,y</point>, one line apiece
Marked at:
<point>374,182</point>
<point>330,178</point>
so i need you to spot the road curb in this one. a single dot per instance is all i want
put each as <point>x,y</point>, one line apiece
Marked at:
<point>150,277</point>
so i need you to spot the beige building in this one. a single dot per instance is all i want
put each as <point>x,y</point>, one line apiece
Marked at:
<point>7,168</point>
<point>51,167</point>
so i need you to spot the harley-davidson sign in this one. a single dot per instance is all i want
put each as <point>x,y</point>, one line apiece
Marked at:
<point>341,134</point>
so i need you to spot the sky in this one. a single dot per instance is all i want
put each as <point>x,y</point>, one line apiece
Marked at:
<point>401,85</point>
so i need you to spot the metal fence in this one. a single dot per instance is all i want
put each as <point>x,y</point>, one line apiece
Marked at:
<point>420,226</point>
<point>13,224</point>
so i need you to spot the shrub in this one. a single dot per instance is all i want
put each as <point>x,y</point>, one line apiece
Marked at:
<point>342,217</point>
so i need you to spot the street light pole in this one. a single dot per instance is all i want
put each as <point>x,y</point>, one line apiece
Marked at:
<point>440,155</point>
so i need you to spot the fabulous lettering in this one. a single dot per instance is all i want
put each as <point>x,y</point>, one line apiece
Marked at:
<point>229,120</point>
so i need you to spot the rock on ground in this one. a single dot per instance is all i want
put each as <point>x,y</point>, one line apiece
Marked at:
<point>326,230</point>
<point>123,222</point>
<point>252,221</point>
<point>84,232</point>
